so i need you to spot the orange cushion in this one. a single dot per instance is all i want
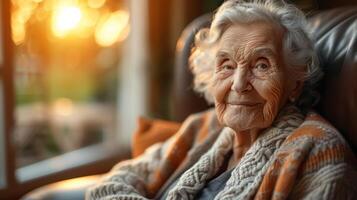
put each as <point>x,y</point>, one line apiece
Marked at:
<point>151,131</point>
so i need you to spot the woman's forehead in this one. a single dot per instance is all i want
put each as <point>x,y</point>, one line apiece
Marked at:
<point>266,50</point>
<point>249,37</point>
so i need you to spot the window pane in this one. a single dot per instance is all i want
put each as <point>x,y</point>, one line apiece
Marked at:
<point>66,74</point>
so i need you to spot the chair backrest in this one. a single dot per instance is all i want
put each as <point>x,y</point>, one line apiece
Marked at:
<point>335,36</point>
<point>184,100</point>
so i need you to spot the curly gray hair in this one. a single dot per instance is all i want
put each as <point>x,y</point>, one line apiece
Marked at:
<point>298,49</point>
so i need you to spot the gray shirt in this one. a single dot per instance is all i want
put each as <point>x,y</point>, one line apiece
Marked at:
<point>211,189</point>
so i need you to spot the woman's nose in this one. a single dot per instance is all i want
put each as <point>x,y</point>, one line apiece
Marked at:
<point>240,81</point>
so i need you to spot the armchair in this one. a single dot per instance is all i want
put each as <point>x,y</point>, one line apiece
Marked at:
<point>335,35</point>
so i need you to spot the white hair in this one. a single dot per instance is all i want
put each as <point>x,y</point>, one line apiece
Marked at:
<point>298,49</point>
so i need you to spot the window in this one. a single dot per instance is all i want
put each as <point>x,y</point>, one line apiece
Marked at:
<point>68,85</point>
<point>66,73</point>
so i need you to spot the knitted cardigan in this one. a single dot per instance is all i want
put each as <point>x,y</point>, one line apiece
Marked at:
<point>298,157</point>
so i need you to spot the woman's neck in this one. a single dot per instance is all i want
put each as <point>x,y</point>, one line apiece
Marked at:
<point>243,140</point>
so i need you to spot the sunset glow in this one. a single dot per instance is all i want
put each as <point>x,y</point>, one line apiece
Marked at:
<point>112,28</point>
<point>65,19</point>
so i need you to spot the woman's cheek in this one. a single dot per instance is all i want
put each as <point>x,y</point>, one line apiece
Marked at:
<point>272,91</point>
<point>220,87</point>
<point>220,108</point>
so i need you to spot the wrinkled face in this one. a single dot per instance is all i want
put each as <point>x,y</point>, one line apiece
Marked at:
<point>251,82</point>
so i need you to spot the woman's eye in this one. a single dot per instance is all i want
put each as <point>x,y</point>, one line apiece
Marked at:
<point>228,67</point>
<point>262,66</point>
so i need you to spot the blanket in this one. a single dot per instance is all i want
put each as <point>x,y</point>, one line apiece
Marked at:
<point>298,157</point>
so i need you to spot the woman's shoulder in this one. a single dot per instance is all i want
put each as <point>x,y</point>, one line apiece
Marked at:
<point>322,157</point>
<point>317,130</point>
<point>318,144</point>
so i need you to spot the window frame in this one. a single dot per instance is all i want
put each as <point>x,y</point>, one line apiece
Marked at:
<point>7,89</point>
<point>2,138</point>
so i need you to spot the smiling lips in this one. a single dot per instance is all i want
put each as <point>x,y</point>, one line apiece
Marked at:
<point>245,103</point>
<point>243,100</point>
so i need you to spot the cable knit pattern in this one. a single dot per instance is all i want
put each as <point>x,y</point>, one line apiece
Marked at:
<point>140,178</point>
<point>248,174</point>
<point>298,157</point>
<point>193,180</point>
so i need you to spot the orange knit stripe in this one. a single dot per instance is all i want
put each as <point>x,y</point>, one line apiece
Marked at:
<point>306,130</point>
<point>153,187</point>
<point>266,188</point>
<point>176,153</point>
<point>287,176</point>
<point>280,176</point>
<point>204,130</point>
<point>316,117</point>
<point>324,157</point>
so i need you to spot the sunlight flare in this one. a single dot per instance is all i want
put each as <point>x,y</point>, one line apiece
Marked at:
<point>112,28</point>
<point>65,19</point>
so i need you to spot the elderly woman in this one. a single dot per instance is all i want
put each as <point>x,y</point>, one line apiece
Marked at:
<point>257,65</point>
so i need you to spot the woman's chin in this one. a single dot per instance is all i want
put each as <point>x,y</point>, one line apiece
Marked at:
<point>240,124</point>
<point>240,120</point>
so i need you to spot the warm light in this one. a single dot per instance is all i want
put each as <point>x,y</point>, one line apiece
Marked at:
<point>19,18</point>
<point>112,28</point>
<point>65,19</point>
<point>18,32</point>
<point>63,107</point>
<point>124,34</point>
<point>96,3</point>
<point>75,183</point>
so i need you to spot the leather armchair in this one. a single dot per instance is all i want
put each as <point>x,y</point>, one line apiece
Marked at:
<point>335,36</point>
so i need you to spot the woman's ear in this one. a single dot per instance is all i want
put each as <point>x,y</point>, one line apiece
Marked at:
<point>296,91</point>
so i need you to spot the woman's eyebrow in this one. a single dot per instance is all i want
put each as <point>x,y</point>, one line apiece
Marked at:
<point>263,51</point>
<point>222,54</point>
<point>267,51</point>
